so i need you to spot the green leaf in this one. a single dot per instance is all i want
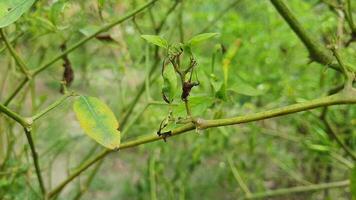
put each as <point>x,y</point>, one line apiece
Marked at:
<point>198,105</point>
<point>157,40</point>
<point>353,183</point>
<point>101,3</point>
<point>241,87</point>
<point>170,85</point>
<point>97,121</point>
<point>318,147</point>
<point>11,10</point>
<point>231,52</point>
<point>201,37</point>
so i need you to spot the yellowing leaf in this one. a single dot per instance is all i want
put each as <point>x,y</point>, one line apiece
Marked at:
<point>97,121</point>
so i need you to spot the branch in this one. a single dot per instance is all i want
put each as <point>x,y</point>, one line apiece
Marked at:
<point>84,40</point>
<point>18,59</point>
<point>340,98</point>
<point>21,120</point>
<point>316,51</point>
<point>35,72</point>
<point>336,99</point>
<point>51,107</point>
<point>238,177</point>
<point>299,189</point>
<point>220,15</point>
<point>35,160</point>
<point>331,129</point>
<point>17,90</point>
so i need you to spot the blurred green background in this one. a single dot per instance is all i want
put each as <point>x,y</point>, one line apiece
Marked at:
<point>269,69</point>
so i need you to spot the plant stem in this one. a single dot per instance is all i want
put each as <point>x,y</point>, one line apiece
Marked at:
<point>89,180</point>
<point>299,189</point>
<point>84,40</point>
<point>85,166</point>
<point>342,160</point>
<point>238,178</point>
<point>340,98</point>
<point>14,116</point>
<point>51,107</point>
<point>332,131</point>
<point>317,52</point>
<point>349,19</point>
<point>220,15</point>
<point>153,67</point>
<point>170,10</point>
<point>348,75</point>
<point>17,90</point>
<point>14,54</point>
<point>35,160</point>
<point>75,46</point>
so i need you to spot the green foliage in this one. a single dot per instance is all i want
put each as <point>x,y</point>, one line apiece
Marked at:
<point>97,121</point>
<point>200,38</point>
<point>156,40</point>
<point>170,85</point>
<point>11,10</point>
<point>254,65</point>
<point>353,183</point>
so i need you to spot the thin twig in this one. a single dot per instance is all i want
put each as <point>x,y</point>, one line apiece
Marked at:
<point>238,177</point>
<point>299,189</point>
<point>18,59</point>
<point>35,160</point>
<point>331,129</point>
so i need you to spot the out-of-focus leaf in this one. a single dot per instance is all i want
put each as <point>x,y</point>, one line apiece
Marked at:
<point>101,3</point>
<point>88,30</point>
<point>353,183</point>
<point>231,52</point>
<point>200,38</point>
<point>170,85</point>
<point>56,10</point>
<point>97,121</point>
<point>198,105</point>
<point>156,40</point>
<point>318,147</point>
<point>241,87</point>
<point>12,10</point>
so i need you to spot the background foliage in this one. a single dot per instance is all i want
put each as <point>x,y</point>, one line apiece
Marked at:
<point>266,66</point>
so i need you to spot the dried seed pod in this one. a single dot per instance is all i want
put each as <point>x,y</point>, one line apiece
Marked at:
<point>186,88</point>
<point>68,74</point>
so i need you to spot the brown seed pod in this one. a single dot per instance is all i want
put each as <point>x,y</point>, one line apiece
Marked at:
<point>68,74</point>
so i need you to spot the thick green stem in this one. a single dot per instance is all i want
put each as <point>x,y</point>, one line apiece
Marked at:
<point>340,98</point>
<point>25,123</point>
<point>317,52</point>
<point>299,189</point>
